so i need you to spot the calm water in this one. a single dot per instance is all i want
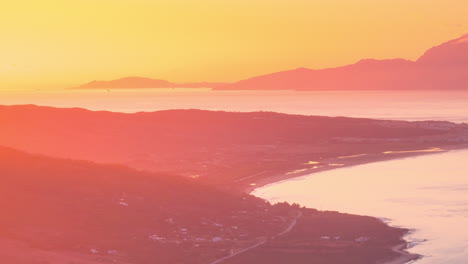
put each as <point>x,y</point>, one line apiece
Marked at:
<point>427,193</point>
<point>410,105</point>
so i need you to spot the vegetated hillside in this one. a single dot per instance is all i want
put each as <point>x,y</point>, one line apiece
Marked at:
<point>199,143</point>
<point>63,211</point>
<point>111,211</point>
<point>329,238</point>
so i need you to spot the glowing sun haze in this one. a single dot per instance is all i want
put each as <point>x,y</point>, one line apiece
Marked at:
<point>53,43</point>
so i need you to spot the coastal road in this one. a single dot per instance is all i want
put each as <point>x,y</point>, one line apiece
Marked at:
<point>240,252</point>
<point>263,241</point>
<point>290,226</point>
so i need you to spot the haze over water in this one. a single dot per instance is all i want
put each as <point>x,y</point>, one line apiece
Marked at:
<point>404,105</point>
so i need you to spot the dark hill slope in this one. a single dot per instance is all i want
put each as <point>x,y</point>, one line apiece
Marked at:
<point>196,143</point>
<point>122,214</point>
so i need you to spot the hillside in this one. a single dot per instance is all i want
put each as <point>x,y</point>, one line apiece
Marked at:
<point>117,213</point>
<point>215,147</point>
<point>63,211</point>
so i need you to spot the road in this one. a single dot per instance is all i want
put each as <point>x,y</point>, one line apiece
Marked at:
<point>263,241</point>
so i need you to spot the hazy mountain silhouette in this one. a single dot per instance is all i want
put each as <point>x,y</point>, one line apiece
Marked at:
<point>140,82</point>
<point>441,67</point>
<point>451,54</point>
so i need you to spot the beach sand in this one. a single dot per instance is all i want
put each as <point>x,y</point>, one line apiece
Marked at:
<point>354,160</point>
<point>346,161</point>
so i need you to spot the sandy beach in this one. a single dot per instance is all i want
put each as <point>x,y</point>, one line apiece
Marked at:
<point>346,161</point>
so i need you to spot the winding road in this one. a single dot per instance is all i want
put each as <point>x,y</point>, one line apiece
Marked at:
<point>263,241</point>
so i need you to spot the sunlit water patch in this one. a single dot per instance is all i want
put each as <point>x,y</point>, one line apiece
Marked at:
<point>428,193</point>
<point>405,105</point>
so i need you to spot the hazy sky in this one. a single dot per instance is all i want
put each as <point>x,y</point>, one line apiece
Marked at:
<point>52,43</point>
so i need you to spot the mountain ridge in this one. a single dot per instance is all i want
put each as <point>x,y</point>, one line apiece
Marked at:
<point>442,67</point>
<point>142,82</point>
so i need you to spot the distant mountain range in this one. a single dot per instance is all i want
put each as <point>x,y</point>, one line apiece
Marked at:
<point>441,67</point>
<point>140,82</point>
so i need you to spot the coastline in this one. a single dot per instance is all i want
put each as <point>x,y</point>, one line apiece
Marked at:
<point>404,257</point>
<point>349,161</point>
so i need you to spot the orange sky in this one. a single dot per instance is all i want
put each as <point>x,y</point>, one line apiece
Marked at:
<point>54,43</point>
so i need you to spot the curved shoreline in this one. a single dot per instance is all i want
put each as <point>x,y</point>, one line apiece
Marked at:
<point>404,257</point>
<point>349,161</point>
